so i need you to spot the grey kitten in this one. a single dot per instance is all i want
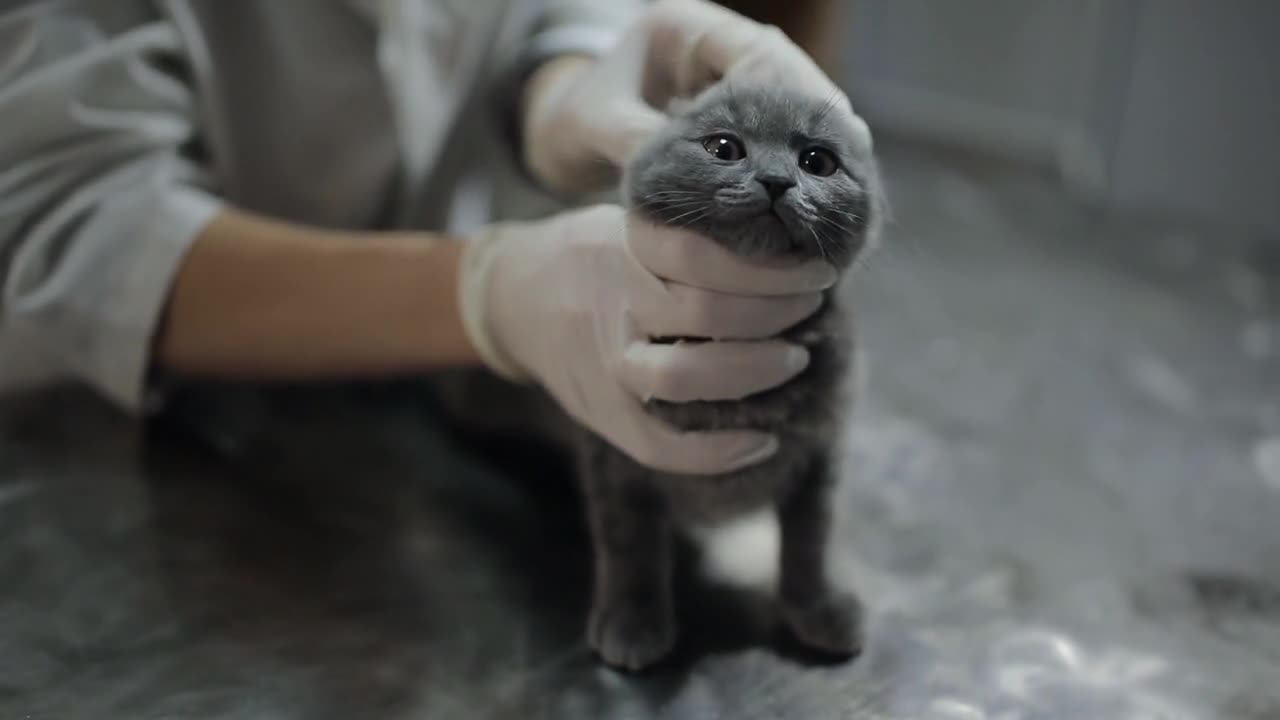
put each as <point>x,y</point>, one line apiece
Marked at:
<point>764,173</point>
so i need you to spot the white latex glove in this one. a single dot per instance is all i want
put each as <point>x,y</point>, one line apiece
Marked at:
<point>567,303</point>
<point>587,123</point>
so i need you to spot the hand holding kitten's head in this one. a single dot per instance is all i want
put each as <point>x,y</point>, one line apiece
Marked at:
<point>764,172</point>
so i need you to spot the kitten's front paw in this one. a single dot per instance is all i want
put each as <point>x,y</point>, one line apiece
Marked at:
<point>830,623</point>
<point>629,637</point>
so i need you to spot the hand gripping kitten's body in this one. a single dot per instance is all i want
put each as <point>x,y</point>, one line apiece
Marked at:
<point>768,175</point>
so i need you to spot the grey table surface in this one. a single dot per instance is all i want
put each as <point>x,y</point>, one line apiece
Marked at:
<point>1064,485</point>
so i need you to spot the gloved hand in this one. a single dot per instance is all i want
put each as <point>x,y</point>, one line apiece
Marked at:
<point>571,302</point>
<point>586,123</point>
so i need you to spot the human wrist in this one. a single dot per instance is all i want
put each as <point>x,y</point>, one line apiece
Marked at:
<point>478,300</point>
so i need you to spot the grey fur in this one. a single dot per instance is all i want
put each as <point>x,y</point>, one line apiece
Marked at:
<point>634,511</point>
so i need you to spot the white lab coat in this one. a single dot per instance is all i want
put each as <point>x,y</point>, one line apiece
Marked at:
<point>126,124</point>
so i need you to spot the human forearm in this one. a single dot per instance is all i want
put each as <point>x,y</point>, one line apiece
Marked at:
<point>263,300</point>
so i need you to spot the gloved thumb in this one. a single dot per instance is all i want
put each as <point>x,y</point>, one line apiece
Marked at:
<point>625,128</point>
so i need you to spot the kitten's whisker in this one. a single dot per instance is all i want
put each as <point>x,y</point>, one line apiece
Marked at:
<point>675,215</point>
<point>842,230</point>
<point>821,248</point>
<point>664,207</point>
<point>671,205</point>
<point>833,223</point>
<point>680,220</point>
<point>671,197</point>
<point>859,221</point>
<point>852,216</point>
<point>699,213</point>
<point>671,193</point>
<point>703,209</point>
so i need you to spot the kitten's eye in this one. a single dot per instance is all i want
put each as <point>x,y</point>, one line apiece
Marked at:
<point>820,162</point>
<point>725,147</point>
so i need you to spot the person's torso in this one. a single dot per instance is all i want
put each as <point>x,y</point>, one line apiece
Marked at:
<point>347,113</point>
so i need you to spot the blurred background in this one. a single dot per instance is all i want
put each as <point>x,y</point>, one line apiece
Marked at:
<point>1064,474</point>
<point>1164,106</point>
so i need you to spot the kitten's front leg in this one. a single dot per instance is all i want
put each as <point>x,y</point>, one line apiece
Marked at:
<point>822,615</point>
<point>632,621</point>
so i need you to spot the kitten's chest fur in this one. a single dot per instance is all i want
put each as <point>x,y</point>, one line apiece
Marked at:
<point>805,413</point>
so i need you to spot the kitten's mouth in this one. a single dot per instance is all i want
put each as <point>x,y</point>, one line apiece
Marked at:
<point>772,213</point>
<point>794,246</point>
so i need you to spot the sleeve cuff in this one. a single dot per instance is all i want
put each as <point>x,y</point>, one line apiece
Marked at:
<point>587,27</point>
<point>97,313</point>
<point>593,40</point>
<point>119,358</point>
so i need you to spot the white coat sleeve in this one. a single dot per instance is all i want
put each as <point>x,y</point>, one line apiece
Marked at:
<point>580,26</point>
<point>97,202</point>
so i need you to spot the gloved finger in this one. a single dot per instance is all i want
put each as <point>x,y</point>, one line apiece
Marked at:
<point>699,41</point>
<point>689,371</point>
<point>703,42</point>
<point>775,58</point>
<point>661,447</point>
<point>621,128</point>
<point>676,310</point>
<point>685,257</point>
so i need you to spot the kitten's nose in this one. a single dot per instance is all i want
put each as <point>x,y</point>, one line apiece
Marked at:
<point>776,185</point>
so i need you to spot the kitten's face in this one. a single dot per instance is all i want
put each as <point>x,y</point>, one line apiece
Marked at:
<point>762,173</point>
